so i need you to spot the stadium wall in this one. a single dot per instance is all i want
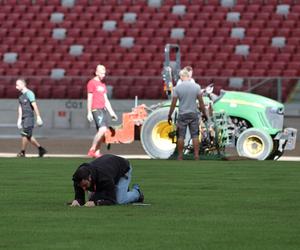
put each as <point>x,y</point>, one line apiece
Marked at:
<point>64,113</point>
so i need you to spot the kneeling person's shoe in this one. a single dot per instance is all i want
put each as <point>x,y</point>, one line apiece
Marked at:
<point>42,151</point>
<point>137,187</point>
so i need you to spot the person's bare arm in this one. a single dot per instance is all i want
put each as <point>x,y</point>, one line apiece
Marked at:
<point>109,108</point>
<point>171,110</point>
<point>19,112</point>
<point>36,109</point>
<point>89,102</point>
<point>19,123</point>
<point>39,120</point>
<point>89,107</point>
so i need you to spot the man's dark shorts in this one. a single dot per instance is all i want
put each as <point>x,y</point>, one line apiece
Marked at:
<point>100,118</point>
<point>190,120</point>
<point>27,125</point>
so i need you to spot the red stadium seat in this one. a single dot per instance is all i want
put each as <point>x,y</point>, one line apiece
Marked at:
<point>216,65</point>
<point>283,32</point>
<point>263,41</point>
<point>202,40</point>
<point>227,72</point>
<point>248,16</point>
<point>294,65</point>
<point>274,72</point>
<point>249,40</point>
<point>211,72</point>
<point>232,65</point>
<point>134,72</point>
<point>262,65</point>
<point>222,57</point>
<point>268,32</point>
<point>269,8</point>
<point>291,73</point>
<point>212,48</point>
<point>198,24</point>
<point>293,16</point>
<point>13,72</point>
<point>289,24</point>
<point>242,72</point>
<point>258,72</point>
<point>247,65</point>
<point>203,64</point>
<point>28,72</point>
<point>194,8</point>
<point>278,65</point>
<point>2,90</point>
<point>208,32</point>
<point>258,49</point>
<point>59,91</point>
<point>138,91</point>
<point>44,91</point>
<point>11,92</point>
<point>227,48</point>
<point>223,32</point>
<point>136,9</point>
<point>269,57</point>
<point>121,92</point>
<point>142,82</point>
<point>162,32</point>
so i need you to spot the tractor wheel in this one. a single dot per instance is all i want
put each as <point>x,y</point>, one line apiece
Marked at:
<point>254,143</point>
<point>155,135</point>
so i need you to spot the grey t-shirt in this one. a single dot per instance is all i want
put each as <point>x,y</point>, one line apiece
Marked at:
<point>25,100</point>
<point>187,93</point>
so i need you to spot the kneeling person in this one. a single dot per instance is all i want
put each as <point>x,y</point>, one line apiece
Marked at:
<point>107,178</point>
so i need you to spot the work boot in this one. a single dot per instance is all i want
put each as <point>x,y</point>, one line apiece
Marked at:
<point>42,151</point>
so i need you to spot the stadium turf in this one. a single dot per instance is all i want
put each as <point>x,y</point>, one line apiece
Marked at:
<point>194,205</point>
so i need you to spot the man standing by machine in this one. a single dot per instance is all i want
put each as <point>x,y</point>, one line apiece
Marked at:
<point>187,93</point>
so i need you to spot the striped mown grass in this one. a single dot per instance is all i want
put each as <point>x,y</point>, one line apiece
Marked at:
<point>194,205</point>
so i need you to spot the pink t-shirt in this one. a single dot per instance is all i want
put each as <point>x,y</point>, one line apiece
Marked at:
<point>98,89</point>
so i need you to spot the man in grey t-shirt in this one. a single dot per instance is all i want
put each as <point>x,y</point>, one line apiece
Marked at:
<point>188,92</point>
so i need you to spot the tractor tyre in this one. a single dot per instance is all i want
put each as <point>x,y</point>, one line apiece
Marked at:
<point>155,135</point>
<point>255,144</point>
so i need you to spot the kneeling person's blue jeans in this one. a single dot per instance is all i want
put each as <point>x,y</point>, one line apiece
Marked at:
<point>123,195</point>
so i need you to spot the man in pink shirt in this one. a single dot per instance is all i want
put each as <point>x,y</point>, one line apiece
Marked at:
<point>97,107</point>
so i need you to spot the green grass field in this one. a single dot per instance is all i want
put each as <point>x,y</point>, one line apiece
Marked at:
<point>194,205</point>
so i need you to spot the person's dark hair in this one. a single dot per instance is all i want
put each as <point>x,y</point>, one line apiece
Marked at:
<point>82,173</point>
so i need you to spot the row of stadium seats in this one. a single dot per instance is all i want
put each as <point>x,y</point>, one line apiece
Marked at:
<point>125,88</point>
<point>78,92</point>
<point>231,68</point>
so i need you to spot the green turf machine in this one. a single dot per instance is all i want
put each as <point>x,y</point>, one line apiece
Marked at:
<point>252,124</point>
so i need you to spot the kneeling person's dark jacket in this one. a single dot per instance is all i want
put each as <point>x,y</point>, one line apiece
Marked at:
<point>105,172</point>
